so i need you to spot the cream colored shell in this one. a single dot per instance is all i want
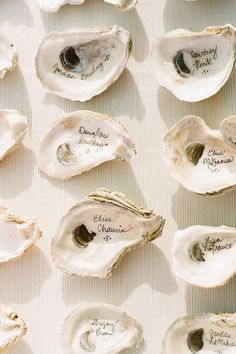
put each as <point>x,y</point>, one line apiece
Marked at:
<point>8,55</point>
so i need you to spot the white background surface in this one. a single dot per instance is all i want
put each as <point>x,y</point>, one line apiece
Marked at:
<point>143,284</point>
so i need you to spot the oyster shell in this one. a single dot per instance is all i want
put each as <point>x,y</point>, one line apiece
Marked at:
<point>81,141</point>
<point>8,56</point>
<point>54,5</point>
<point>205,333</point>
<point>12,328</point>
<point>201,159</point>
<point>100,328</point>
<point>205,255</point>
<point>81,64</point>
<point>13,127</point>
<point>94,235</point>
<point>17,235</point>
<point>195,65</point>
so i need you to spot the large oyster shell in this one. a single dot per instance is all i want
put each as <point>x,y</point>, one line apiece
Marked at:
<point>81,141</point>
<point>12,328</point>
<point>13,127</point>
<point>100,328</point>
<point>203,333</point>
<point>94,235</point>
<point>81,64</point>
<point>195,65</point>
<point>201,159</point>
<point>205,255</point>
<point>17,235</point>
<point>8,56</point>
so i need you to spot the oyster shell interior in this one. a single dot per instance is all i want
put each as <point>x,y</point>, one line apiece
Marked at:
<point>204,334</point>
<point>81,64</point>
<point>13,128</point>
<point>205,255</point>
<point>100,328</point>
<point>195,65</point>
<point>17,235</point>
<point>94,235</point>
<point>8,56</point>
<point>81,141</point>
<point>201,159</point>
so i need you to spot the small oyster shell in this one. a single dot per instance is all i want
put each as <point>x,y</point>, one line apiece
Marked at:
<point>201,159</point>
<point>12,328</point>
<point>195,65</point>
<point>8,56</point>
<point>81,64</point>
<point>94,235</point>
<point>13,128</point>
<point>205,255</point>
<point>81,141</point>
<point>18,235</point>
<point>100,328</point>
<point>205,333</point>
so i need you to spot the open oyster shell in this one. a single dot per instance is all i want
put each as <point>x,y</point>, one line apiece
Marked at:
<point>100,328</point>
<point>81,141</point>
<point>205,255</point>
<point>8,56</point>
<point>195,65</point>
<point>201,159</point>
<point>206,333</point>
<point>94,235</point>
<point>17,235</point>
<point>83,63</point>
<point>54,5</point>
<point>13,128</point>
<point>12,328</point>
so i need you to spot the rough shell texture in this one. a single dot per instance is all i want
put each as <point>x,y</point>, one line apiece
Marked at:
<point>203,333</point>
<point>205,255</point>
<point>100,328</point>
<point>13,127</point>
<point>81,141</point>
<point>94,235</point>
<point>201,159</point>
<point>17,235</point>
<point>83,63</point>
<point>12,328</point>
<point>8,56</point>
<point>195,65</point>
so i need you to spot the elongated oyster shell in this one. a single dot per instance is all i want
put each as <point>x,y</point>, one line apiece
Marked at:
<point>94,235</point>
<point>8,56</point>
<point>204,255</point>
<point>201,159</point>
<point>83,63</point>
<point>54,5</point>
<point>17,235</point>
<point>13,127</point>
<point>12,328</point>
<point>100,328</point>
<point>81,141</point>
<point>205,333</point>
<point>195,65</point>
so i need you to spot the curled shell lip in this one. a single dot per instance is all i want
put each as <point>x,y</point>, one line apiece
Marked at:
<point>11,56</point>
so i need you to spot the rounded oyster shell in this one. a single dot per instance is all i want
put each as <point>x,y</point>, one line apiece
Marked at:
<point>100,328</point>
<point>81,64</point>
<point>81,141</point>
<point>8,55</point>
<point>96,233</point>
<point>205,255</point>
<point>205,333</point>
<point>12,328</point>
<point>195,65</point>
<point>201,159</point>
<point>13,128</point>
<point>17,235</point>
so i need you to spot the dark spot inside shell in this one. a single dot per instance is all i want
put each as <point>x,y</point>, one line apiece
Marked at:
<point>69,58</point>
<point>195,342</point>
<point>180,65</point>
<point>194,152</point>
<point>82,237</point>
<point>65,155</point>
<point>197,254</point>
